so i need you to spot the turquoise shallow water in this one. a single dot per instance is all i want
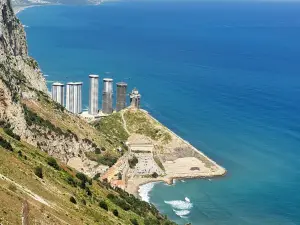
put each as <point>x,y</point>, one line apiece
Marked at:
<point>224,76</point>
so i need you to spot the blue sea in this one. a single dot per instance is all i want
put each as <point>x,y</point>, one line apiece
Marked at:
<point>223,75</point>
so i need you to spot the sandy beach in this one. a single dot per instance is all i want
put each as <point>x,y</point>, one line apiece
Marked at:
<point>18,9</point>
<point>179,158</point>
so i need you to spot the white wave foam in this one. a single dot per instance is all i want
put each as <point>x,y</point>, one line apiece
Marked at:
<point>179,204</point>
<point>25,26</point>
<point>182,213</point>
<point>144,191</point>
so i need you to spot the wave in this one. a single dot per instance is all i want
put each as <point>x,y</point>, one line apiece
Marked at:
<point>144,191</point>
<point>25,26</point>
<point>182,213</point>
<point>179,204</point>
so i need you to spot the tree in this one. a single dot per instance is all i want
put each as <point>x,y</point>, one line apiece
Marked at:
<point>73,200</point>
<point>96,177</point>
<point>52,162</point>
<point>154,175</point>
<point>97,151</point>
<point>134,221</point>
<point>38,171</point>
<point>133,161</point>
<point>119,176</point>
<point>115,212</point>
<point>103,205</point>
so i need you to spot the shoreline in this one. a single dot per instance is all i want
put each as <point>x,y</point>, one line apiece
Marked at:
<point>18,9</point>
<point>136,183</point>
<point>171,180</point>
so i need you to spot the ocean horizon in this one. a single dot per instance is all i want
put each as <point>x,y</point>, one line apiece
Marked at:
<point>224,76</point>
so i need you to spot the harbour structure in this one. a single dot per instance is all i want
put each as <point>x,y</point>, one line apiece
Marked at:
<point>135,98</point>
<point>74,97</point>
<point>121,96</point>
<point>107,96</point>
<point>94,92</point>
<point>58,92</point>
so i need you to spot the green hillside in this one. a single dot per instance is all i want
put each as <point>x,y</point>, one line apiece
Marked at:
<point>57,194</point>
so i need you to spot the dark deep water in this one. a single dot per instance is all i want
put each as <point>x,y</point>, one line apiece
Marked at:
<point>225,76</point>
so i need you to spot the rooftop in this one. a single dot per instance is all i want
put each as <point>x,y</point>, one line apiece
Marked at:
<point>108,80</point>
<point>121,84</point>
<point>57,84</point>
<point>93,76</point>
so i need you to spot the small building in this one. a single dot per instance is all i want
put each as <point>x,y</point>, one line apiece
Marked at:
<point>135,98</point>
<point>140,144</point>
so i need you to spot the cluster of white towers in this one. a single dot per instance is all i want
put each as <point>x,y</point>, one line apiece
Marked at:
<point>74,96</point>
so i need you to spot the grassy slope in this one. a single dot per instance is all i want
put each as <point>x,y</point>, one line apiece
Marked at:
<point>138,122</point>
<point>67,122</point>
<point>54,189</point>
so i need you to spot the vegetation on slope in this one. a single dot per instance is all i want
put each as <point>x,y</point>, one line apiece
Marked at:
<point>57,194</point>
<point>138,122</point>
<point>46,113</point>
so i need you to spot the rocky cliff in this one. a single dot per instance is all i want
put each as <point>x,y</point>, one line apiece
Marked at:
<point>24,101</point>
<point>19,73</point>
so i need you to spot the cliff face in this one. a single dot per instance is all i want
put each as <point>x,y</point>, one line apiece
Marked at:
<point>21,81</point>
<point>18,72</point>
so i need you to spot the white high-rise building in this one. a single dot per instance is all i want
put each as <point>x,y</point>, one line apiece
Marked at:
<point>94,94</point>
<point>74,97</point>
<point>58,93</point>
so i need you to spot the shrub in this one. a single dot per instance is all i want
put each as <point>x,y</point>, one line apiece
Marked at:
<point>151,221</point>
<point>38,171</point>
<point>134,221</point>
<point>88,191</point>
<point>81,176</point>
<point>11,133</point>
<point>83,179</point>
<point>119,176</point>
<point>133,161</point>
<point>71,181</point>
<point>154,175</point>
<point>73,200</point>
<point>107,160</point>
<point>20,153</point>
<point>5,144</point>
<point>97,151</point>
<point>103,205</point>
<point>12,187</point>
<point>52,162</point>
<point>111,196</point>
<point>96,177</point>
<point>115,212</point>
<point>119,201</point>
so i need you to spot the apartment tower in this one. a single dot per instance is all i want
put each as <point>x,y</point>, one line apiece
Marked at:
<point>121,96</point>
<point>58,92</point>
<point>74,97</point>
<point>107,96</point>
<point>94,93</point>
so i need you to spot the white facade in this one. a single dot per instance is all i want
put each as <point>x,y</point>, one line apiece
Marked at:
<point>94,94</point>
<point>58,93</point>
<point>74,97</point>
